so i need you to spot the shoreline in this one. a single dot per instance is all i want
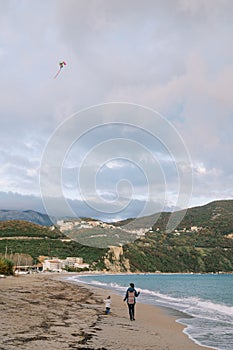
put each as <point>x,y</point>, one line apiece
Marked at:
<point>49,311</point>
<point>166,311</point>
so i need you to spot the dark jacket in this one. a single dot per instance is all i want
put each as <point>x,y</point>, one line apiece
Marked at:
<point>136,294</point>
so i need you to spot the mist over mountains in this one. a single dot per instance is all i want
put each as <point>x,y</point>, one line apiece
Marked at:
<point>213,214</point>
<point>78,209</point>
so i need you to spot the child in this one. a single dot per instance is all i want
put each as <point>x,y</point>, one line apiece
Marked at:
<point>107,305</point>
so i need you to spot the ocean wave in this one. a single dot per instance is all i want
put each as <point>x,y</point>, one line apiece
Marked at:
<point>193,306</point>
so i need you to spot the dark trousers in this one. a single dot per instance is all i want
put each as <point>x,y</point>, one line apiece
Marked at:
<point>131,311</point>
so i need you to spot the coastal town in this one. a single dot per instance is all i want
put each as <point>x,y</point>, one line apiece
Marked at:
<point>54,264</point>
<point>79,224</point>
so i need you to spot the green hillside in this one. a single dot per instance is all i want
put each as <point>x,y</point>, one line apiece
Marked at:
<point>17,228</point>
<point>217,216</point>
<point>101,237</point>
<point>21,237</point>
<point>189,252</point>
<point>206,248</point>
<point>202,242</point>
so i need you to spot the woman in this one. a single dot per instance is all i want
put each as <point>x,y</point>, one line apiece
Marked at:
<point>130,296</point>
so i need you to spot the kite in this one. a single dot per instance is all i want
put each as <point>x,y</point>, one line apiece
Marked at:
<point>61,65</point>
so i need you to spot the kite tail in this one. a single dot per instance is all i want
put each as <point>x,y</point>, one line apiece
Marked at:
<point>57,73</point>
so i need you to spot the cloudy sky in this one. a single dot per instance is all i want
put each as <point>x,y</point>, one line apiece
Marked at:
<point>138,121</point>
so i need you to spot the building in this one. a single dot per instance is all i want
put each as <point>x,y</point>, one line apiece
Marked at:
<point>71,261</point>
<point>57,265</point>
<point>52,265</point>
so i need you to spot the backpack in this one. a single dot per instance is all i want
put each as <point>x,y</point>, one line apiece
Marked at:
<point>130,299</point>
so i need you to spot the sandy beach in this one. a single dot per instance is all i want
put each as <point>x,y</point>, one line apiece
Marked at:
<point>45,311</point>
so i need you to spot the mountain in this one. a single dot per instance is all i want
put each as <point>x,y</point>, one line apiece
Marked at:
<point>201,243</point>
<point>217,215</point>
<point>214,214</point>
<point>27,215</point>
<point>19,229</point>
<point>102,236</point>
<point>21,238</point>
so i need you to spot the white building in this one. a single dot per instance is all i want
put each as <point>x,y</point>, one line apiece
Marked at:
<point>52,265</point>
<point>58,265</point>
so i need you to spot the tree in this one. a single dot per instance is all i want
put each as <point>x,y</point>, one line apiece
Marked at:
<point>6,267</point>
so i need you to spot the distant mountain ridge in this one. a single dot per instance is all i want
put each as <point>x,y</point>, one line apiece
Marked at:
<point>26,215</point>
<point>214,214</point>
<point>201,243</point>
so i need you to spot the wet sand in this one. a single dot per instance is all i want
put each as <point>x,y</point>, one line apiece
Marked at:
<point>45,311</point>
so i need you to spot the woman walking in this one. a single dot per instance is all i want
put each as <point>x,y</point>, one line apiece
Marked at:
<point>130,296</point>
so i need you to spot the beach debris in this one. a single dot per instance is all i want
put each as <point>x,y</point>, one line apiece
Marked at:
<point>85,336</point>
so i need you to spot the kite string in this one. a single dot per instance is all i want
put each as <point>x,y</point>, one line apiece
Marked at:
<point>57,73</point>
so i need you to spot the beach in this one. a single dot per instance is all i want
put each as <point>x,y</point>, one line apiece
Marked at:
<point>45,311</point>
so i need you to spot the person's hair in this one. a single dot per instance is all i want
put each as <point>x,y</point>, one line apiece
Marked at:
<point>132,285</point>
<point>108,297</point>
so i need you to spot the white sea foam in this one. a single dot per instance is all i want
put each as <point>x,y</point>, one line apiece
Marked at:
<point>193,306</point>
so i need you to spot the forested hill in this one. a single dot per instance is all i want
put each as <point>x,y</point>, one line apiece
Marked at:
<point>217,216</point>
<point>19,228</point>
<point>19,237</point>
<point>202,242</point>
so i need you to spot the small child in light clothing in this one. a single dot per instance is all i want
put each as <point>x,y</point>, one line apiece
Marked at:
<point>107,302</point>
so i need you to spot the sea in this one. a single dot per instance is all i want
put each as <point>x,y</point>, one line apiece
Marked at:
<point>203,303</point>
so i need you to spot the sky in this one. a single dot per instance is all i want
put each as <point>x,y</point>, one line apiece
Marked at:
<point>138,121</point>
